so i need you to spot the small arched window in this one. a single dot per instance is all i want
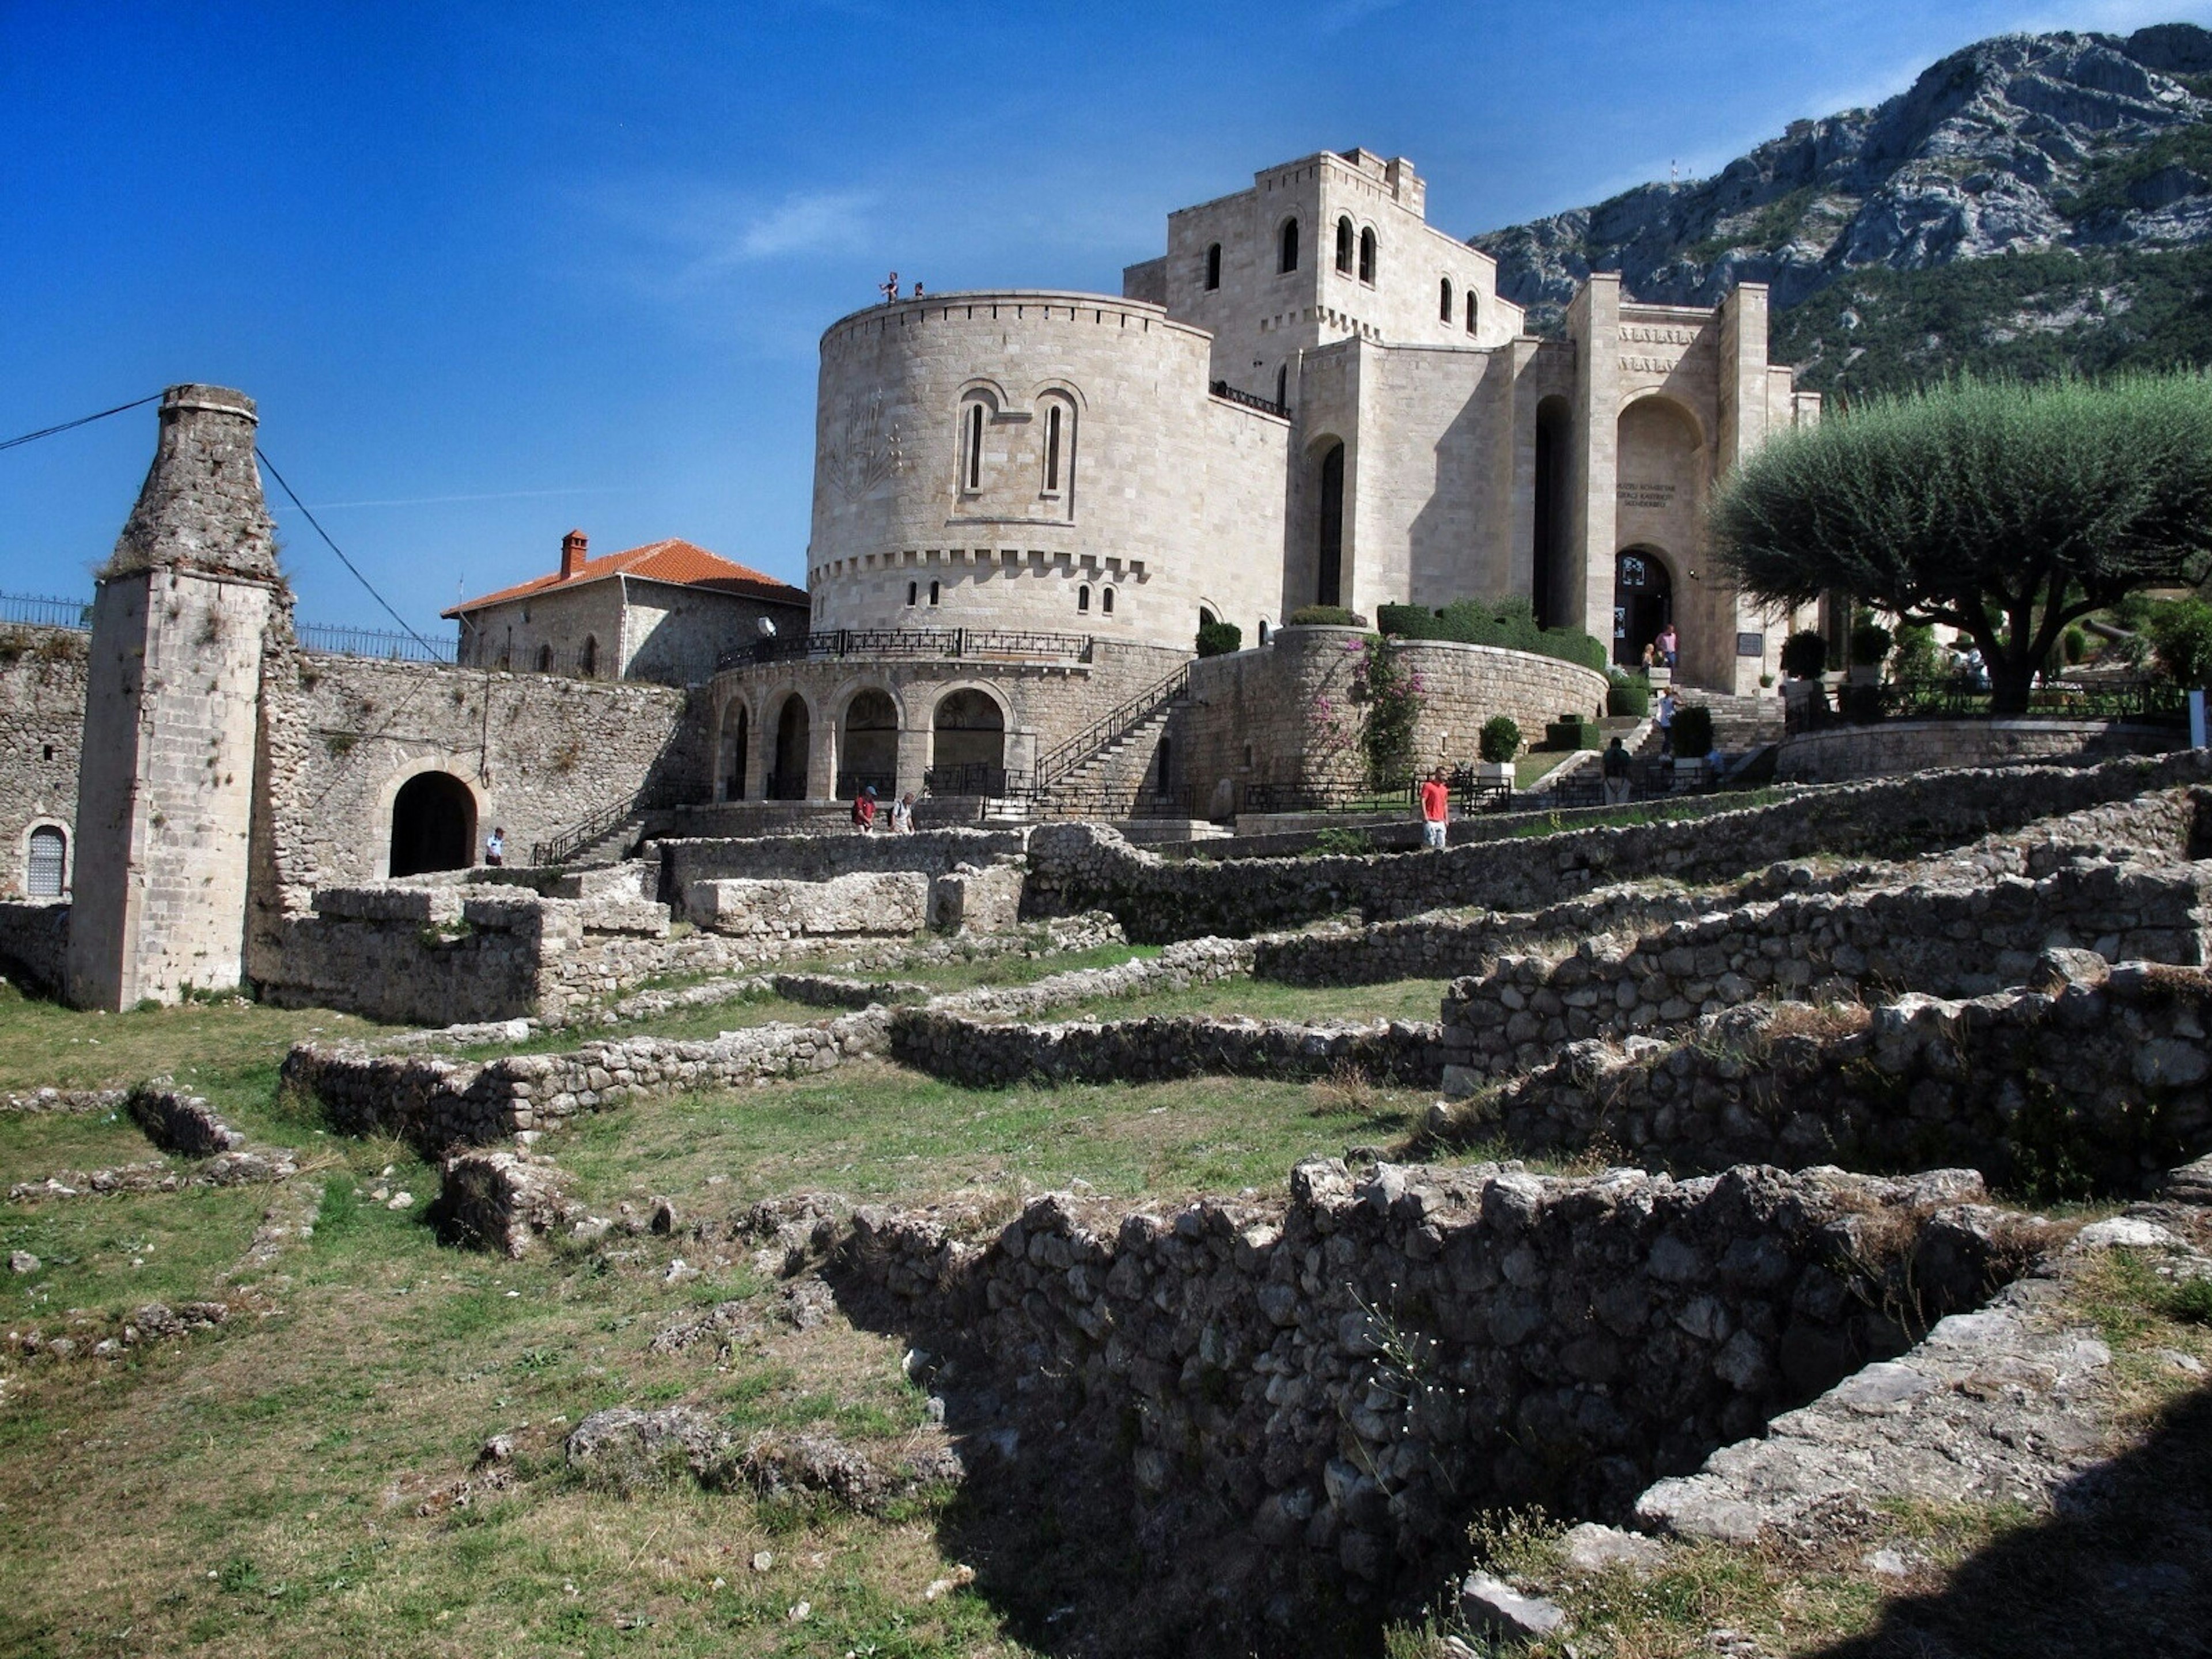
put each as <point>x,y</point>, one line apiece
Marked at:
<point>48,863</point>
<point>1287,250</point>
<point>1053,413</point>
<point>932,592</point>
<point>1205,616</point>
<point>1344,246</point>
<point>1212,267</point>
<point>544,659</point>
<point>590,661</point>
<point>1263,631</point>
<point>971,444</point>
<point>1283,387</point>
<point>1367,256</point>
<point>1083,597</point>
<point>912,592</point>
<point>1106,601</point>
<point>1470,311</point>
<point>1445,301</point>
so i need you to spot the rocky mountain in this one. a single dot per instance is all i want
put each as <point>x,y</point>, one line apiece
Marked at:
<point>2032,202</point>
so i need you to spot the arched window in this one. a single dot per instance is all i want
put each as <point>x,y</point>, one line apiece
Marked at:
<point>1443,300</point>
<point>912,592</point>
<point>971,444</point>
<point>1287,247</point>
<point>544,659</point>
<point>932,592</point>
<point>1470,311</point>
<point>1283,387</point>
<point>1205,616</point>
<point>1344,246</point>
<point>1212,267</point>
<point>1367,256</point>
<point>1263,631</point>
<point>1106,601</point>
<point>589,662</point>
<point>49,862</point>
<point>1051,432</point>
<point>1083,597</point>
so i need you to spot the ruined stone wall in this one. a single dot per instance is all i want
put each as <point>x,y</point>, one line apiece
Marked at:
<point>1083,866</point>
<point>820,858</point>
<point>1357,1372</point>
<point>2086,1083</point>
<point>42,679</point>
<point>1959,941</point>
<point>1842,753</point>
<point>35,943</point>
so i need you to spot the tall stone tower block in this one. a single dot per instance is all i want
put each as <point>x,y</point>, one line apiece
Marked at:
<point>165,788</point>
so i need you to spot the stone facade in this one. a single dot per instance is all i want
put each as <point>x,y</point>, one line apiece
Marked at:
<point>42,687</point>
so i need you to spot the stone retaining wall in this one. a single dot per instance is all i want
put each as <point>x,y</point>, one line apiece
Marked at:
<point>820,857</point>
<point>1335,1387</point>
<point>34,942</point>
<point>894,905</point>
<point>1156,1047</point>
<point>2089,1082</point>
<point>1842,753</point>
<point>1157,899</point>
<point>1959,940</point>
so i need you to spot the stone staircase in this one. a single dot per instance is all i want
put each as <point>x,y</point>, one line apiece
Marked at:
<point>1106,783</point>
<point>1739,723</point>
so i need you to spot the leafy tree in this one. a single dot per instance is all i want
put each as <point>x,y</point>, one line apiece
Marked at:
<point>2181,633</point>
<point>1805,655</point>
<point>2005,510</point>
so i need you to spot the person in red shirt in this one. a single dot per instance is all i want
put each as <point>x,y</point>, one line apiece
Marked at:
<point>864,810</point>
<point>1436,809</point>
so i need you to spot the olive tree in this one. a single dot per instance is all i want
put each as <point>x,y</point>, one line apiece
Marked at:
<point>2005,510</point>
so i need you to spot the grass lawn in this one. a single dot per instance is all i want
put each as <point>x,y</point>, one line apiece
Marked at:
<point>1260,999</point>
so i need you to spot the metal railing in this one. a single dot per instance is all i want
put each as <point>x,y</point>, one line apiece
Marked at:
<point>327,640</point>
<point>970,643</point>
<point>1966,697</point>
<point>968,778</point>
<point>573,840</point>
<point>36,611</point>
<point>850,784</point>
<point>1471,792</point>
<point>1064,758</point>
<point>1223,389</point>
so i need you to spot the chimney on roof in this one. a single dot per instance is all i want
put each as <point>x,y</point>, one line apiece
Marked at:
<point>572,554</point>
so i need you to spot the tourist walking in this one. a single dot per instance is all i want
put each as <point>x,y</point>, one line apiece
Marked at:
<point>1667,721</point>
<point>1616,763</point>
<point>496,848</point>
<point>1436,810</point>
<point>903,814</point>
<point>1668,645</point>
<point>864,810</point>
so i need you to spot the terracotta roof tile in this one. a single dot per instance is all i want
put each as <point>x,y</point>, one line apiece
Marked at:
<point>675,559</point>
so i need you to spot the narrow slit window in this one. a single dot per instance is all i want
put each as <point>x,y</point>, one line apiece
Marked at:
<point>932,592</point>
<point>973,472</point>
<point>1367,256</point>
<point>1470,311</point>
<point>1106,602</point>
<point>1083,597</point>
<point>912,592</point>
<point>1287,247</point>
<point>1052,448</point>
<point>1344,246</point>
<point>1212,267</point>
<point>1283,387</point>
<point>1445,301</point>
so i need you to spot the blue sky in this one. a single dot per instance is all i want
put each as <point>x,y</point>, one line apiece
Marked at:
<point>493,271</point>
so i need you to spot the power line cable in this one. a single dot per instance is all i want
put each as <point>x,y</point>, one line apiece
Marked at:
<point>70,426</point>
<point>335,547</point>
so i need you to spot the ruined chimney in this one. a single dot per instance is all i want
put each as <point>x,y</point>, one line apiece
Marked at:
<point>572,554</point>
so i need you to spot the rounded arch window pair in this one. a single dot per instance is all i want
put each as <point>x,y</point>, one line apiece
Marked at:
<point>914,593</point>
<point>1363,242</point>
<point>1083,599</point>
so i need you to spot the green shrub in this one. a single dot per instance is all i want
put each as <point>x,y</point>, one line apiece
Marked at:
<point>1692,732</point>
<point>1805,656</point>
<point>2181,633</point>
<point>2074,644</point>
<point>1916,657</point>
<point>1405,622</point>
<point>1571,731</point>
<point>1325,616</point>
<point>1501,740</point>
<point>1218,639</point>
<point>1869,644</point>
<point>1341,843</point>
<point>1628,696</point>
<point>1509,624</point>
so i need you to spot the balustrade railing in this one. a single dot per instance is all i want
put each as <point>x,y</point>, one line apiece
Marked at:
<point>326,640</point>
<point>972,644</point>
<point>1229,393</point>
<point>1060,761</point>
<point>1966,696</point>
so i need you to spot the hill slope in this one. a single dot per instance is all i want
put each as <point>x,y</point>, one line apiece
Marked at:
<point>2032,202</point>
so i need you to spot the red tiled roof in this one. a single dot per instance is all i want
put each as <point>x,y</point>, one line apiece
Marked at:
<point>685,563</point>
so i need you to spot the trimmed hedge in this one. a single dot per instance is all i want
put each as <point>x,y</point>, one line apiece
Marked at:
<point>1501,740</point>
<point>1572,731</point>
<point>1509,624</point>
<point>1692,732</point>
<point>1219,639</point>
<point>1629,696</point>
<point>1325,616</point>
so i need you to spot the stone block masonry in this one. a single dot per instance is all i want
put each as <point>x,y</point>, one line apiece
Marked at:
<point>1082,867</point>
<point>821,858</point>
<point>1354,1374</point>
<point>843,905</point>
<point>42,690</point>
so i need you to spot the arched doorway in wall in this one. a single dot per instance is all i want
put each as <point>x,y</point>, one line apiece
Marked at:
<point>730,764</point>
<point>1550,581</point>
<point>1643,602</point>
<point>1328,584</point>
<point>867,748</point>
<point>787,778</point>
<point>967,745</point>
<point>434,825</point>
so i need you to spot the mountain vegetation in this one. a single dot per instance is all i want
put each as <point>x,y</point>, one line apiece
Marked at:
<point>2032,204</point>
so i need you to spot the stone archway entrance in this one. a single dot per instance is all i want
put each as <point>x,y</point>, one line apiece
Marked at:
<point>786,780</point>
<point>434,825</point>
<point>867,750</point>
<point>968,746</point>
<point>1643,602</point>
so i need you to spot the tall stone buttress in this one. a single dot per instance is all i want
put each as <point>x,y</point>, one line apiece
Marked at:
<point>164,791</point>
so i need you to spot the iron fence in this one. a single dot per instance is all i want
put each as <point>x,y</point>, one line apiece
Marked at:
<point>1968,697</point>
<point>968,778</point>
<point>849,784</point>
<point>1229,393</point>
<point>36,611</point>
<point>1471,792</point>
<point>327,640</point>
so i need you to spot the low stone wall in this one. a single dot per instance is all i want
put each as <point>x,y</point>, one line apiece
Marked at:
<point>1181,965</point>
<point>841,906</point>
<point>1842,753</point>
<point>1156,1047</point>
<point>436,1103</point>
<point>821,857</point>
<point>1083,866</point>
<point>1335,1387</point>
<point>178,1122</point>
<point>501,1201</point>
<point>34,943</point>
<point>1961,940</point>
<point>2094,1081</point>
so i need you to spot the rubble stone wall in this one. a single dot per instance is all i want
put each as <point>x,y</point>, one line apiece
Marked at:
<point>34,943</point>
<point>820,858</point>
<point>1155,1047</point>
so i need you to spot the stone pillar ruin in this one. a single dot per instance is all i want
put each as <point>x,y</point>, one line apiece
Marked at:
<point>165,792</point>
